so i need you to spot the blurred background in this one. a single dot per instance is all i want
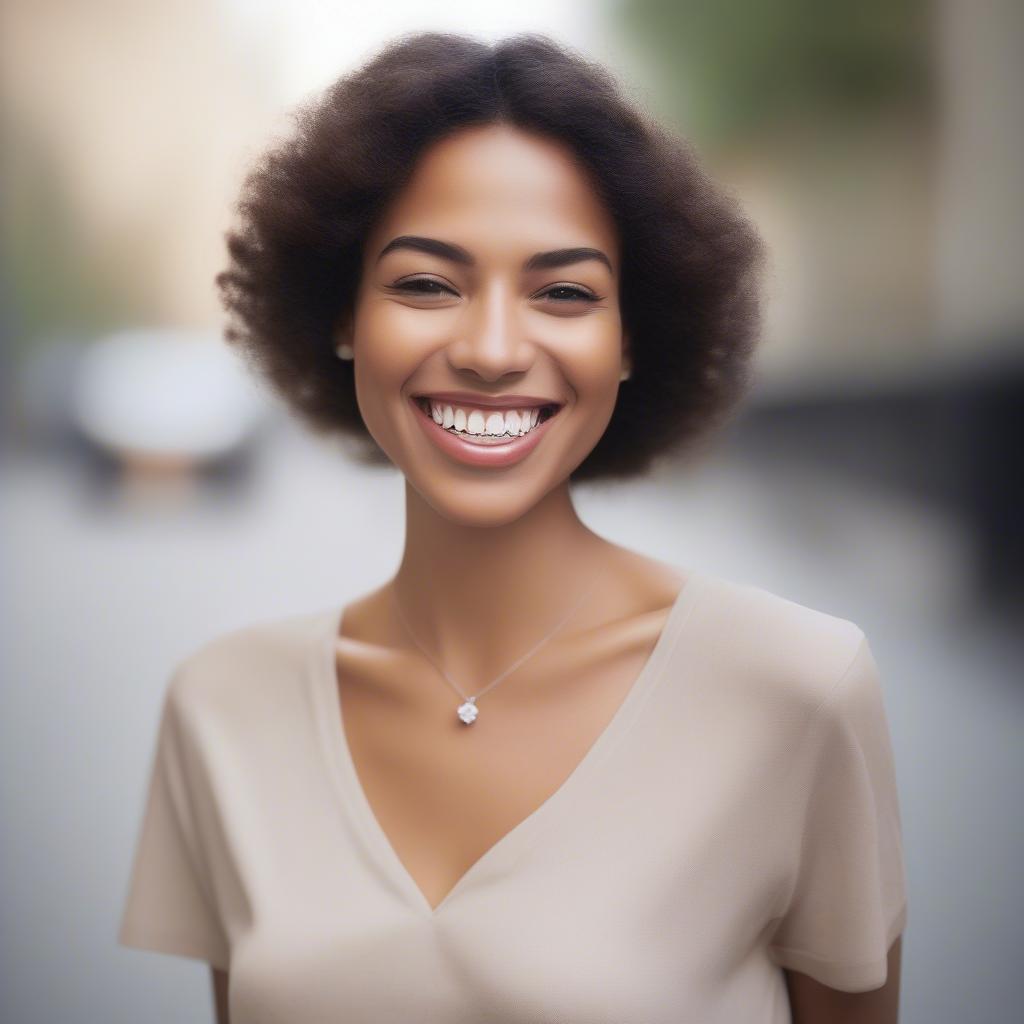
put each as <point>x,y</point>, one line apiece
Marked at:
<point>153,493</point>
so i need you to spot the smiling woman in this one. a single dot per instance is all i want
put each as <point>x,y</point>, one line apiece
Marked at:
<point>659,794</point>
<point>672,254</point>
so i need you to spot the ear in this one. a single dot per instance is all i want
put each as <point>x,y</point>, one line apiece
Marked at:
<point>627,351</point>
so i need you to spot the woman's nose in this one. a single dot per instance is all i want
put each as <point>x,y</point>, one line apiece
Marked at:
<point>492,340</point>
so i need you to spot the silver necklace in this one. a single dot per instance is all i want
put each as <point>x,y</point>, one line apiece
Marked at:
<point>467,710</point>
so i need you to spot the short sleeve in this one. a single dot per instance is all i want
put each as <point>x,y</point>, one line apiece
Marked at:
<point>848,901</point>
<point>170,906</point>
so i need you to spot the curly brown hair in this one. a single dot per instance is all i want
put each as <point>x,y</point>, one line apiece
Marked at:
<point>689,285</point>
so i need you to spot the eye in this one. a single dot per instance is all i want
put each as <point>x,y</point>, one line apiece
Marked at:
<point>568,293</point>
<point>430,286</point>
<point>427,286</point>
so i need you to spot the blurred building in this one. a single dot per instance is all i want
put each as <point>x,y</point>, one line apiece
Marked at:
<point>126,126</point>
<point>879,148</point>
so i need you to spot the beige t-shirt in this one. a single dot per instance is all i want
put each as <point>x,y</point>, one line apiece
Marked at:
<point>738,814</point>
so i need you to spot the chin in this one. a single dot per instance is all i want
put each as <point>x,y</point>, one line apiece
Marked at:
<point>480,506</point>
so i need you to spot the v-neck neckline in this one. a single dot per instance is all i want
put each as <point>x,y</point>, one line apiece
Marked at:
<point>346,779</point>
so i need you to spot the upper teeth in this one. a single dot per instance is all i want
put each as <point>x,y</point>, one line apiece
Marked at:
<point>484,421</point>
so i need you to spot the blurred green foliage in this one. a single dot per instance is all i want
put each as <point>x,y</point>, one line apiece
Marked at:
<point>53,285</point>
<point>731,69</point>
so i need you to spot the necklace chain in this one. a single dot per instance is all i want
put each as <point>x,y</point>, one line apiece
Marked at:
<point>468,710</point>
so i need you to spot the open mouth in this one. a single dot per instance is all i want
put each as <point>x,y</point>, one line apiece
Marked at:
<point>481,425</point>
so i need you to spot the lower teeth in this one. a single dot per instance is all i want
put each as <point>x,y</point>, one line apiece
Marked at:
<point>466,433</point>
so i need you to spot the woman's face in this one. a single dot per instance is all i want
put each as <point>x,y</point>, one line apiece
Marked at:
<point>473,282</point>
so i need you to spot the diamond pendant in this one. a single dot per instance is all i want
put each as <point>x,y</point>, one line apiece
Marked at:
<point>468,711</point>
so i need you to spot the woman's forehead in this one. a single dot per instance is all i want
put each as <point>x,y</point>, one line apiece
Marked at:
<point>492,184</point>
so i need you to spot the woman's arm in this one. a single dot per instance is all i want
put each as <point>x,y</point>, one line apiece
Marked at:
<point>220,994</point>
<point>814,1003</point>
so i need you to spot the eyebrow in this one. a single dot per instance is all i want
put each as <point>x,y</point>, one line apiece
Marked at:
<point>455,253</point>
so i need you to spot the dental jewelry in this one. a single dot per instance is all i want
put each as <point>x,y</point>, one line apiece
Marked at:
<point>467,710</point>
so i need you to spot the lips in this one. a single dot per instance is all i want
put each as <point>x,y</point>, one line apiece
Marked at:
<point>491,453</point>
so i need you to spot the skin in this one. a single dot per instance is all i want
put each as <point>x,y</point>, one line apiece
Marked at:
<point>814,1003</point>
<point>504,547</point>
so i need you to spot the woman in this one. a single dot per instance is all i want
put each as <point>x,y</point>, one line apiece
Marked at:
<point>536,776</point>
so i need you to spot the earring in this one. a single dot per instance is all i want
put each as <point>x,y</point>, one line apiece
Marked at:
<point>344,350</point>
<point>626,374</point>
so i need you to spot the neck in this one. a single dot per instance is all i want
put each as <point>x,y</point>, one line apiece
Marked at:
<point>478,598</point>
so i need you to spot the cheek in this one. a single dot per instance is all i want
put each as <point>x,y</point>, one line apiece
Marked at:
<point>593,362</point>
<point>393,335</point>
<point>391,341</point>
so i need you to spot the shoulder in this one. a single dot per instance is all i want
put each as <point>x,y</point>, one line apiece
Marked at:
<point>247,665</point>
<point>775,646</point>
